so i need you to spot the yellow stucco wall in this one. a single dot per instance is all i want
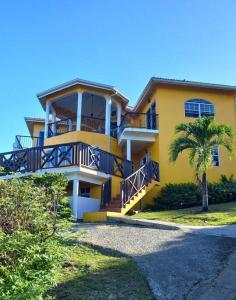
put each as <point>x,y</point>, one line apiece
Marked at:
<point>170,107</point>
<point>91,138</point>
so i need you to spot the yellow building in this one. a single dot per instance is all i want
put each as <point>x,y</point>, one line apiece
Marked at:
<point>112,152</point>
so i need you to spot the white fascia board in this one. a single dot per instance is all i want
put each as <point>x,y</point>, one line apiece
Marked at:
<point>138,134</point>
<point>81,173</point>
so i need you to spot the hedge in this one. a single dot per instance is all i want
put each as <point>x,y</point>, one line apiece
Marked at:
<point>184,195</point>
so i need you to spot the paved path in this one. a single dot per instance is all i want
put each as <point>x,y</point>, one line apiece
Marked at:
<point>177,264</point>
<point>224,230</point>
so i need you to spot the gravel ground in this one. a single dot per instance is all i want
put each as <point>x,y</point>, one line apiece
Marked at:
<point>177,265</point>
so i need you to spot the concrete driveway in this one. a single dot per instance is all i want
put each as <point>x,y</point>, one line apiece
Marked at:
<point>177,264</point>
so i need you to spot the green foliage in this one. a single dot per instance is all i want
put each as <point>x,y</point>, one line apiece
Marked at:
<point>175,196</point>
<point>27,265</point>
<point>199,137</point>
<point>184,195</point>
<point>30,214</point>
<point>225,179</point>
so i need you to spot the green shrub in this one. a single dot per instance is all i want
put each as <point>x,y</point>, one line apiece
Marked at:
<point>28,265</point>
<point>184,195</point>
<point>174,196</point>
<point>31,210</point>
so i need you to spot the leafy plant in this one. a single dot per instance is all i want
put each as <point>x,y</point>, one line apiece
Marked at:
<point>30,254</point>
<point>199,138</point>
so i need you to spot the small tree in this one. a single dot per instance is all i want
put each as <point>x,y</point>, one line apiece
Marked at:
<point>199,138</point>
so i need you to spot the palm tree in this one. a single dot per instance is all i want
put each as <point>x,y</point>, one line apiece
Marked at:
<point>199,138</point>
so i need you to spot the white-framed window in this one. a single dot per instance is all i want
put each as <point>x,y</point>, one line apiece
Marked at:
<point>197,108</point>
<point>85,192</point>
<point>216,156</point>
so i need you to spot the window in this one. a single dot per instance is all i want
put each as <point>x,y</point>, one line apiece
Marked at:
<point>216,157</point>
<point>85,192</point>
<point>197,108</point>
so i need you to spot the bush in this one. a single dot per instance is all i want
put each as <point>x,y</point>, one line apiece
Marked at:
<point>175,196</point>
<point>184,195</point>
<point>28,265</point>
<point>31,210</point>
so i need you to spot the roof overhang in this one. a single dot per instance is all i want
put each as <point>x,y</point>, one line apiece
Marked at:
<point>31,121</point>
<point>155,81</point>
<point>83,83</point>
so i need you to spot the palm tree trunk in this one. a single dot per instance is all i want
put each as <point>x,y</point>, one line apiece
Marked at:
<point>204,193</point>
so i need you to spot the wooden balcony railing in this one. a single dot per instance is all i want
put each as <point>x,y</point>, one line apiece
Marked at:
<point>62,126</point>
<point>134,183</point>
<point>65,155</point>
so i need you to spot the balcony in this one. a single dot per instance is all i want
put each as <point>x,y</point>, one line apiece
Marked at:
<point>59,156</point>
<point>138,124</point>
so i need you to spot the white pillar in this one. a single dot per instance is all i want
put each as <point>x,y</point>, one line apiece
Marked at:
<point>75,198</point>
<point>128,146</point>
<point>118,114</point>
<point>79,110</point>
<point>47,119</point>
<point>108,116</point>
<point>54,127</point>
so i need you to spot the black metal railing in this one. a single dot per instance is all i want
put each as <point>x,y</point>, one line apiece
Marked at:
<point>64,155</point>
<point>92,124</point>
<point>62,126</point>
<point>24,142</point>
<point>133,184</point>
<point>106,193</point>
<point>138,120</point>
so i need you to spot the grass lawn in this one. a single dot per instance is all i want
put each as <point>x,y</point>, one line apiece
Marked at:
<point>218,214</point>
<point>93,273</point>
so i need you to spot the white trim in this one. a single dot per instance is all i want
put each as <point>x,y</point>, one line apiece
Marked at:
<point>138,134</point>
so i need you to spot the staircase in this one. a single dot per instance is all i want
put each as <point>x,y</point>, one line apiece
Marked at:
<point>132,190</point>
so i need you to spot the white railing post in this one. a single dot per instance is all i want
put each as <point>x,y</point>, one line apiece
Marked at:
<point>79,110</point>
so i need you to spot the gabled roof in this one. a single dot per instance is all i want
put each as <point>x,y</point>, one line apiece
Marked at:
<point>41,96</point>
<point>154,81</point>
<point>30,121</point>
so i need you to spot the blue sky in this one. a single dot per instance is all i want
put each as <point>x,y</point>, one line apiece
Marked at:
<point>122,43</point>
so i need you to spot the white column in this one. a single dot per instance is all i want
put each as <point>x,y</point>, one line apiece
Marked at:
<point>75,198</point>
<point>47,119</point>
<point>53,120</point>
<point>79,110</point>
<point>108,116</point>
<point>128,146</point>
<point>118,114</point>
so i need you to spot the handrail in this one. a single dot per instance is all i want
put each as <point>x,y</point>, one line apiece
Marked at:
<point>25,141</point>
<point>134,183</point>
<point>64,155</point>
<point>138,120</point>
